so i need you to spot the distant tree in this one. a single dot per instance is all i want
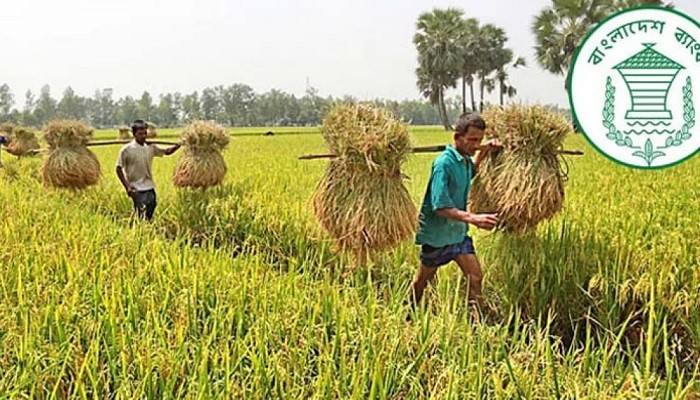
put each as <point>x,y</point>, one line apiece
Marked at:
<point>107,111</point>
<point>146,107</point>
<point>504,86</point>
<point>45,109</point>
<point>128,110</point>
<point>28,110</point>
<point>191,107</point>
<point>211,108</point>
<point>236,103</point>
<point>166,114</point>
<point>71,106</point>
<point>7,100</point>
<point>472,49</point>
<point>177,108</point>
<point>492,54</point>
<point>439,40</point>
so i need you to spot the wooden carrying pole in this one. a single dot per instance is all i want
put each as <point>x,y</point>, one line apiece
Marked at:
<point>105,143</point>
<point>431,149</point>
<point>108,142</point>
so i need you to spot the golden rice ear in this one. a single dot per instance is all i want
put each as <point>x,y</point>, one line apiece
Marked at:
<point>70,168</point>
<point>69,163</point>
<point>524,183</point>
<point>199,170</point>
<point>361,200</point>
<point>202,164</point>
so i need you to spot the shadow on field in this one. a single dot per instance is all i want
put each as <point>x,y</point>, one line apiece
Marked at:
<point>227,217</point>
<point>590,284</point>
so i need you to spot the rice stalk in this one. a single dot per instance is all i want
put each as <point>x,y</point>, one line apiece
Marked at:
<point>199,169</point>
<point>361,199</point>
<point>69,163</point>
<point>202,164</point>
<point>525,182</point>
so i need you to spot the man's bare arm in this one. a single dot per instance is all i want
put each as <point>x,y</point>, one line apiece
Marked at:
<point>484,221</point>
<point>129,190</point>
<point>172,149</point>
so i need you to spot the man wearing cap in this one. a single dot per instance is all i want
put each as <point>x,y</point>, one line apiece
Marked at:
<point>134,169</point>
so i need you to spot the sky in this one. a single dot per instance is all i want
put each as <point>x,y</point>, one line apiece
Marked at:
<point>362,48</point>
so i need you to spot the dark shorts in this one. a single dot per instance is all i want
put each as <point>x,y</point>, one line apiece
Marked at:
<point>438,256</point>
<point>145,203</point>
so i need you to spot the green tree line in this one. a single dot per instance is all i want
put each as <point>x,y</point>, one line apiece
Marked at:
<point>234,105</point>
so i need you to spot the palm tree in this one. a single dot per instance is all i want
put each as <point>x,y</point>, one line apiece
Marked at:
<point>492,55</point>
<point>559,29</point>
<point>434,92</point>
<point>502,76</point>
<point>439,39</point>
<point>470,57</point>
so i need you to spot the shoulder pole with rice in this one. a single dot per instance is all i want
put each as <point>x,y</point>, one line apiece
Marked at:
<point>430,149</point>
<point>361,200</point>
<point>69,163</point>
<point>110,142</point>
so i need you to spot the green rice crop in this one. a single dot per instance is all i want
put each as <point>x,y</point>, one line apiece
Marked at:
<point>234,291</point>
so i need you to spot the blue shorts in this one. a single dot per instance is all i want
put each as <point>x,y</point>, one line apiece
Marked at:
<point>437,256</point>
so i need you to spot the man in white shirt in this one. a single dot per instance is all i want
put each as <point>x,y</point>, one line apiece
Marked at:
<point>134,169</point>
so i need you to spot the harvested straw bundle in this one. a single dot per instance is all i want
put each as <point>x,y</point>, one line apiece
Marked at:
<point>21,140</point>
<point>202,165</point>
<point>525,182</point>
<point>69,164</point>
<point>124,133</point>
<point>361,200</point>
<point>151,131</point>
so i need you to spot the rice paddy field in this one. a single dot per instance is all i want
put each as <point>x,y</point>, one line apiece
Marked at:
<point>236,292</point>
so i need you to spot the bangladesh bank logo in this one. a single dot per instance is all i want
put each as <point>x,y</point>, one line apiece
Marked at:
<point>632,87</point>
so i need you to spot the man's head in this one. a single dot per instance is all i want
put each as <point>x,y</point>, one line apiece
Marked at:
<point>139,129</point>
<point>469,131</point>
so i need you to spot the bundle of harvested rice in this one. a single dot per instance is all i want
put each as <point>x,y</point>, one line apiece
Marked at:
<point>361,200</point>
<point>151,131</point>
<point>124,133</point>
<point>525,181</point>
<point>202,164</point>
<point>21,140</point>
<point>69,164</point>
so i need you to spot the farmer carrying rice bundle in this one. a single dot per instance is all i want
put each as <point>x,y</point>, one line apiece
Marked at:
<point>443,232</point>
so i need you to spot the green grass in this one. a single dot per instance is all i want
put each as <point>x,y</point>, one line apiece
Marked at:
<point>236,292</point>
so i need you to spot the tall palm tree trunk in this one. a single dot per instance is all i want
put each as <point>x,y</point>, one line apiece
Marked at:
<point>471,90</point>
<point>481,95</point>
<point>443,110</point>
<point>502,85</point>
<point>464,94</point>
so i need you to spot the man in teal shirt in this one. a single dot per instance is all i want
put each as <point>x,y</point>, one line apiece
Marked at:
<point>444,221</point>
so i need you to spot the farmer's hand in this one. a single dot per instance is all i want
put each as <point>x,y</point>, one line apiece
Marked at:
<point>484,221</point>
<point>130,191</point>
<point>492,146</point>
